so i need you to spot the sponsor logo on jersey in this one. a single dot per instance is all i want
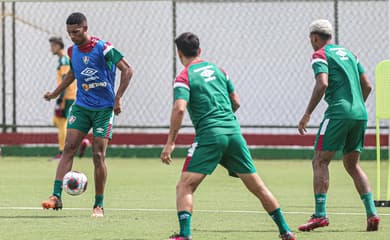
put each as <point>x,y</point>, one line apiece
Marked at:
<point>99,130</point>
<point>86,86</point>
<point>90,74</point>
<point>341,52</point>
<point>208,75</point>
<point>85,60</point>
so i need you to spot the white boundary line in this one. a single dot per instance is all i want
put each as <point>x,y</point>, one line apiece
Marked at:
<point>174,210</point>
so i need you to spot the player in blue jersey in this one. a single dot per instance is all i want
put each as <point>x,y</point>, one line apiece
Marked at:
<point>93,63</point>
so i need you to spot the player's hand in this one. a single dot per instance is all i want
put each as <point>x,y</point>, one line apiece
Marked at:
<point>49,96</point>
<point>117,105</point>
<point>303,123</point>
<point>166,153</point>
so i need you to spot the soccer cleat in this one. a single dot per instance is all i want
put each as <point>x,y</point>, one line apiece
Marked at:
<point>56,157</point>
<point>313,223</point>
<point>178,237</point>
<point>83,146</point>
<point>53,202</point>
<point>287,236</point>
<point>98,212</point>
<point>373,223</point>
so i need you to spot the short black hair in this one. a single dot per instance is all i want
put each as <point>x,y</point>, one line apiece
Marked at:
<point>323,36</point>
<point>188,44</point>
<point>57,40</point>
<point>76,18</point>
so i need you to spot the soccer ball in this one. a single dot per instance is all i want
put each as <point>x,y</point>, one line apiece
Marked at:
<point>75,183</point>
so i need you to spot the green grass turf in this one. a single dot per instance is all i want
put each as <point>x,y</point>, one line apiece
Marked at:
<point>149,186</point>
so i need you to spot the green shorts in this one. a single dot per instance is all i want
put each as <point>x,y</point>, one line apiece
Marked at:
<point>68,105</point>
<point>101,121</point>
<point>230,151</point>
<point>338,134</point>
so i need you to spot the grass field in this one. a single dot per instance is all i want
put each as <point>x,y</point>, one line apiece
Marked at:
<point>140,202</point>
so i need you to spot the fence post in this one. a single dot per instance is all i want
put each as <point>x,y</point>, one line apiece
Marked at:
<point>336,21</point>
<point>13,68</point>
<point>3,89</point>
<point>173,39</point>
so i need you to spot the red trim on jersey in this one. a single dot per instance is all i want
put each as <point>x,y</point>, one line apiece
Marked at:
<point>186,163</point>
<point>319,54</point>
<point>89,45</point>
<point>183,75</point>
<point>70,53</point>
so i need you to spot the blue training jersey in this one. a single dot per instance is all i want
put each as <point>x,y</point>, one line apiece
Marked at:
<point>95,73</point>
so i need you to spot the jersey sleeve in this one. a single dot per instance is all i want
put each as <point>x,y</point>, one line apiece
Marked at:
<point>64,66</point>
<point>181,86</point>
<point>229,83</point>
<point>111,54</point>
<point>319,62</point>
<point>360,67</point>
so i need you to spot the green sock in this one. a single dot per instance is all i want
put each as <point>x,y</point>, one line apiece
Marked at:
<point>368,202</point>
<point>57,188</point>
<point>320,199</point>
<point>99,201</point>
<point>278,218</point>
<point>185,223</point>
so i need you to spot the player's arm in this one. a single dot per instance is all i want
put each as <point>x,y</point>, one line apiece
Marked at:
<point>64,69</point>
<point>68,79</point>
<point>365,85</point>
<point>177,115</point>
<point>235,100</point>
<point>318,92</point>
<point>126,74</point>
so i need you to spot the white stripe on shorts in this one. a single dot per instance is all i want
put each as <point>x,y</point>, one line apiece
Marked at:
<point>324,127</point>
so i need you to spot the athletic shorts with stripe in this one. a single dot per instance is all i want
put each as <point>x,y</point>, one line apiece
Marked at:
<point>101,121</point>
<point>229,150</point>
<point>337,134</point>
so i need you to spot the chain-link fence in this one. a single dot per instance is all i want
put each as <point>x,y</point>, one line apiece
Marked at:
<point>264,45</point>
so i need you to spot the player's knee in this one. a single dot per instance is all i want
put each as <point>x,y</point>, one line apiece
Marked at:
<point>70,147</point>
<point>98,157</point>
<point>185,186</point>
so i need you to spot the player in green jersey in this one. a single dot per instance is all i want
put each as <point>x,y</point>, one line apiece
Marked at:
<point>342,79</point>
<point>209,96</point>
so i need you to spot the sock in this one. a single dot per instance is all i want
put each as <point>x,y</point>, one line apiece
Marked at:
<point>368,202</point>
<point>57,188</point>
<point>278,218</point>
<point>185,223</point>
<point>99,201</point>
<point>320,199</point>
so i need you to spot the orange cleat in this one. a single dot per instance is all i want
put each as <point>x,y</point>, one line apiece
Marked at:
<point>53,202</point>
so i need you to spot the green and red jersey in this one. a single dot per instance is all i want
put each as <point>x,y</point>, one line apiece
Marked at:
<point>344,94</point>
<point>206,88</point>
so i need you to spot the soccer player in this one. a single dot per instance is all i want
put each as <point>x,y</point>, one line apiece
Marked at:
<point>208,94</point>
<point>342,79</point>
<point>65,99</point>
<point>93,63</point>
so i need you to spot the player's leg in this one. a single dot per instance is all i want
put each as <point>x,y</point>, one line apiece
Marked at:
<point>99,147</point>
<point>203,157</point>
<point>330,138</point>
<point>78,126</point>
<point>255,185</point>
<point>185,188</point>
<point>102,132</point>
<point>238,161</point>
<point>73,139</point>
<point>354,146</point>
<point>61,135</point>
